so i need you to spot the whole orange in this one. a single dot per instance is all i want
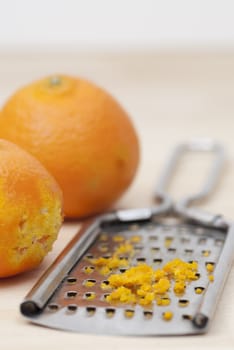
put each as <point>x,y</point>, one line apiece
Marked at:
<point>30,210</point>
<point>81,134</point>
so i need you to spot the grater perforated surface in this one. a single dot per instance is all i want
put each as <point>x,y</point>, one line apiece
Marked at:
<point>72,294</point>
<point>79,303</point>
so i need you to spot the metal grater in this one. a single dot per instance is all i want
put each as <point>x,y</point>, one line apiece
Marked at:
<point>70,294</point>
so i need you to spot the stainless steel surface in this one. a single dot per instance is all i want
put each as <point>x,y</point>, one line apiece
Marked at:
<point>69,309</point>
<point>61,298</point>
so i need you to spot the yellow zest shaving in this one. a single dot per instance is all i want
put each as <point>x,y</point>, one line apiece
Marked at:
<point>90,296</point>
<point>210,267</point>
<point>129,313</point>
<point>112,263</point>
<point>147,285</point>
<point>179,287</point>
<point>167,316</point>
<point>125,248</point>
<point>168,241</point>
<point>104,271</point>
<point>89,283</point>
<point>142,284</point>
<point>118,238</point>
<point>103,237</point>
<point>122,294</point>
<point>105,286</point>
<point>198,290</point>
<point>211,278</point>
<point>88,269</point>
<point>135,239</point>
<point>163,301</point>
<point>206,253</point>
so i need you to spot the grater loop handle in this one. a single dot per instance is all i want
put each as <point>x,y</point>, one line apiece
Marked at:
<point>182,207</point>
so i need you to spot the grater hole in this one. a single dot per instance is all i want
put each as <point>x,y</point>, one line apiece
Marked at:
<point>155,249</point>
<point>71,280</point>
<point>103,237</point>
<point>210,265</point>
<point>129,313</point>
<point>123,269</point>
<point>163,301</point>
<point>103,247</point>
<point>219,242</point>
<point>89,269</point>
<point>89,295</point>
<point>202,241</point>
<point>134,227</point>
<point>118,238</point>
<point>171,250</point>
<point>192,261</point>
<point>106,257</point>
<point>106,295</point>
<point>168,241</point>
<point>184,240</point>
<point>72,307</point>
<point>89,256</point>
<point>206,253</point>
<point>141,259</point>
<point>188,251</point>
<point>90,310</point>
<point>183,302</point>
<point>199,290</point>
<point>123,257</point>
<point>135,239</point>
<point>105,284</point>
<point>53,307</point>
<point>149,227</point>
<point>138,247</point>
<point>71,294</point>
<point>153,238</point>
<point>199,230</point>
<point>187,317</point>
<point>148,314</point>
<point>110,312</point>
<point>157,261</point>
<point>89,283</point>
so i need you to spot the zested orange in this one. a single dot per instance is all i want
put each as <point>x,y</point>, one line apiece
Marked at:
<point>30,210</point>
<point>81,134</point>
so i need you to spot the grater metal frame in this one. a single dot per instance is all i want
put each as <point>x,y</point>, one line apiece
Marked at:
<point>37,299</point>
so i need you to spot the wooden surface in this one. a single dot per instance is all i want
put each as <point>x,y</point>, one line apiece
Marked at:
<point>171,98</point>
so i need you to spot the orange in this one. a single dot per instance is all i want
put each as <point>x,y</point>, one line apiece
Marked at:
<point>81,134</point>
<point>30,210</point>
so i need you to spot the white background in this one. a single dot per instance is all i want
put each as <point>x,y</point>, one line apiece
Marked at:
<point>116,24</point>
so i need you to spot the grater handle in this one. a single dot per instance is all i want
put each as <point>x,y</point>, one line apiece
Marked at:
<point>182,207</point>
<point>212,295</point>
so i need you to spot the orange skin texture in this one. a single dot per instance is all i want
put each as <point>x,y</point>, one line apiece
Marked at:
<point>82,136</point>
<point>30,210</point>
